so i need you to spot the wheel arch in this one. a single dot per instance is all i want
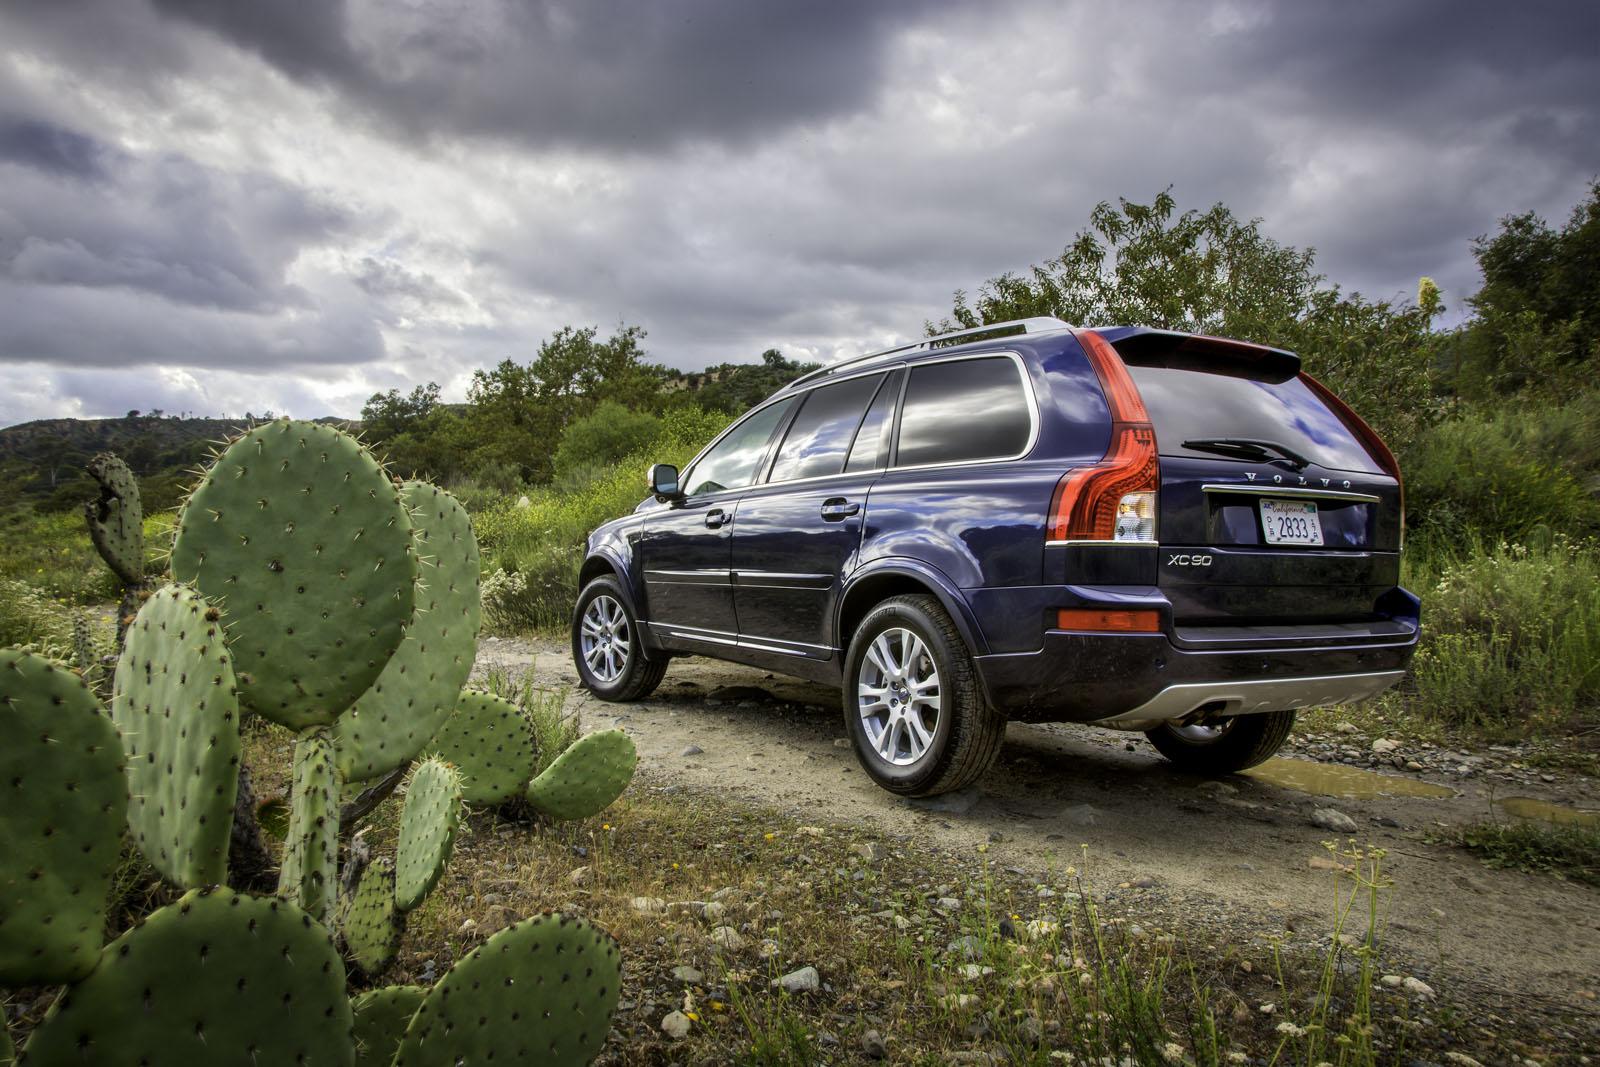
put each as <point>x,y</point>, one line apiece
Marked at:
<point>877,582</point>
<point>602,563</point>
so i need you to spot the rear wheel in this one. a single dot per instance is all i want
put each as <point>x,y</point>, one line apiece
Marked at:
<point>1223,747</point>
<point>607,648</point>
<point>912,704</point>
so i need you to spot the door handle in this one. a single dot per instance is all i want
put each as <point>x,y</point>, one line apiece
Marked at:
<point>837,508</point>
<point>717,517</point>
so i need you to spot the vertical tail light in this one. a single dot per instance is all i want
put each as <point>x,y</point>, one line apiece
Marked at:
<point>1367,436</point>
<point>1114,500</point>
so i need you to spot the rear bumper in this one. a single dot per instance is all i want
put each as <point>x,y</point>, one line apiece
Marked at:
<point>1138,680</point>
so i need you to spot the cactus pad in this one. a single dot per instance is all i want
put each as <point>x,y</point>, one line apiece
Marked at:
<point>216,978</point>
<point>392,721</point>
<point>175,701</point>
<point>62,806</point>
<point>372,923</point>
<point>488,740</point>
<point>541,990</point>
<point>297,531</point>
<point>381,1017</point>
<point>428,824</point>
<point>116,519</point>
<point>311,850</point>
<point>8,1055</point>
<point>586,777</point>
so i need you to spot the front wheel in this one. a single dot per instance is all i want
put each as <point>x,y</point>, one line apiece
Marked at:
<point>607,648</point>
<point>912,704</point>
<point>1223,747</point>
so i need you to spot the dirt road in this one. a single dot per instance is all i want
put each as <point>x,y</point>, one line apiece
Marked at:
<point>1243,854</point>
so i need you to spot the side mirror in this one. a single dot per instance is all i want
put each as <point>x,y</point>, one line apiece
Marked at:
<point>664,482</point>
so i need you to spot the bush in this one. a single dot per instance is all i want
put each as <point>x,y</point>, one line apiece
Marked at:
<point>533,543</point>
<point>1511,637</point>
<point>602,439</point>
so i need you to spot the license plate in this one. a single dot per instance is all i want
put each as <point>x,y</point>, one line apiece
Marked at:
<point>1291,522</point>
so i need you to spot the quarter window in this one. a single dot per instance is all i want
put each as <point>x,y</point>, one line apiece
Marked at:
<point>872,440</point>
<point>820,435</point>
<point>962,411</point>
<point>732,464</point>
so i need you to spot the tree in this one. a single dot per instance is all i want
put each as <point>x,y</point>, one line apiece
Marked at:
<point>388,415</point>
<point>609,433</point>
<point>1146,265</point>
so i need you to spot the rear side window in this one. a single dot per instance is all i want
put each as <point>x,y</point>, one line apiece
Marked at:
<point>732,463</point>
<point>871,449</point>
<point>962,411</point>
<point>820,435</point>
<point>1193,405</point>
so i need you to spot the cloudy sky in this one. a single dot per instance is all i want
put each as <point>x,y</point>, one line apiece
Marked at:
<point>217,206</point>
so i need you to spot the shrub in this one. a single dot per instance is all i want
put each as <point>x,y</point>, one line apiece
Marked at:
<point>603,438</point>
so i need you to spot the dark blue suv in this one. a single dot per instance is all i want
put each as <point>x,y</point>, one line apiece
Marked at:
<point>1154,531</point>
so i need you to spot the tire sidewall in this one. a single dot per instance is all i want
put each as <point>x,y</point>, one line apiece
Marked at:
<point>911,779</point>
<point>605,690</point>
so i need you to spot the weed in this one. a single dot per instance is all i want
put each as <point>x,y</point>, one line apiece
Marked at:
<point>1566,851</point>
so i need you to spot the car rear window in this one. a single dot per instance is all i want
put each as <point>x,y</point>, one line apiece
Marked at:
<point>1188,404</point>
<point>962,411</point>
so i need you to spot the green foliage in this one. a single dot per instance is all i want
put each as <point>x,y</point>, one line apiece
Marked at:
<point>1209,272</point>
<point>310,874</point>
<point>176,703</point>
<point>548,983</point>
<point>61,823</point>
<point>371,924</point>
<point>532,552</point>
<point>389,723</point>
<point>216,978</point>
<point>554,730</point>
<point>1568,851</point>
<point>428,824</point>
<point>388,415</point>
<point>488,741</point>
<point>29,617</point>
<point>599,440</point>
<point>297,532</point>
<point>734,388</point>
<point>586,778</point>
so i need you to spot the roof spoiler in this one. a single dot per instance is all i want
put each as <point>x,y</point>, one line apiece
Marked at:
<point>1143,347</point>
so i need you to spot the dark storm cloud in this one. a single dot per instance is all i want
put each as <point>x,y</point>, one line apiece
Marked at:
<point>50,148</point>
<point>599,73</point>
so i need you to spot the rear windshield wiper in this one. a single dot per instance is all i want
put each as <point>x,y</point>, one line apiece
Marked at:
<point>1250,447</point>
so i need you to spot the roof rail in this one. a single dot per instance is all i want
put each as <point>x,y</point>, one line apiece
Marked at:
<point>1037,324</point>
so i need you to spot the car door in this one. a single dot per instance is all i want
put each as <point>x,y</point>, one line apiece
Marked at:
<point>798,533</point>
<point>685,547</point>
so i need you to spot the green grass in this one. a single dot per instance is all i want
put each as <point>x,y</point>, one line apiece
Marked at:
<point>1568,851</point>
<point>554,731</point>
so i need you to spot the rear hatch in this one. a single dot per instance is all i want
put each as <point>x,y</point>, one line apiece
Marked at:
<point>1275,512</point>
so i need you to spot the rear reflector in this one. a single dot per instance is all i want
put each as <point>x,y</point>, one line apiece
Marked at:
<point>1114,500</point>
<point>1097,619</point>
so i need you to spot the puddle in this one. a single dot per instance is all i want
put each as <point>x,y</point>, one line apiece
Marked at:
<point>1560,814</point>
<point>1337,780</point>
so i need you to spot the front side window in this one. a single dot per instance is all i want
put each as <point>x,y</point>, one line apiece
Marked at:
<point>962,411</point>
<point>820,435</point>
<point>733,462</point>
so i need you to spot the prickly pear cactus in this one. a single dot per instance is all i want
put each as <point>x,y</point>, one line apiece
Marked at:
<point>311,849</point>
<point>585,778</point>
<point>299,535</point>
<point>62,805</point>
<point>428,824</point>
<point>488,740</point>
<point>541,989</point>
<point>216,978</point>
<point>176,703</point>
<point>372,923</point>
<point>7,1053</point>
<point>116,519</point>
<point>381,1017</point>
<point>392,721</point>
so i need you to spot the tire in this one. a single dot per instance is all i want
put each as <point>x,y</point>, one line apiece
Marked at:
<point>620,671</point>
<point>1243,742</point>
<point>966,733</point>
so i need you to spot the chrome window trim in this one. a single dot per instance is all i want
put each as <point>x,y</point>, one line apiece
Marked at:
<point>1105,544</point>
<point>1028,392</point>
<point>1243,489</point>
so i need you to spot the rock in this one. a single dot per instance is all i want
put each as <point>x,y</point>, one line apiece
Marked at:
<point>727,938</point>
<point>1384,747</point>
<point>867,850</point>
<point>974,971</point>
<point>712,911</point>
<point>675,1024</point>
<point>948,903</point>
<point>1391,981</point>
<point>691,750</point>
<point>1417,987</point>
<point>492,898</point>
<point>1334,820</point>
<point>688,975</point>
<point>960,802</point>
<point>844,742</point>
<point>960,1003</point>
<point>581,876</point>
<point>467,926</point>
<point>1462,1059</point>
<point>524,502</point>
<point>1346,728</point>
<point>967,946</point>
<point>872,1045</point>
<point>499,917</point>
<point>1081,814</point>
<point>1037,929</point>
<point>727,892</point>
<point>804,980</point>
<point>767,949</point>
<point>649,905</point>
<point>1217,787</point>
<point>1144,881</point>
